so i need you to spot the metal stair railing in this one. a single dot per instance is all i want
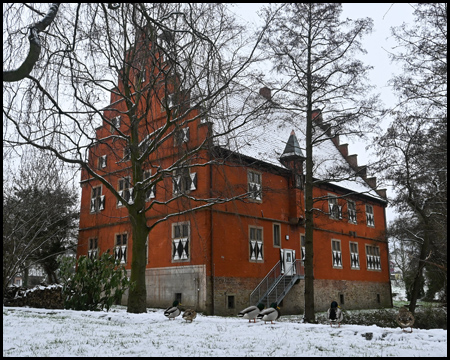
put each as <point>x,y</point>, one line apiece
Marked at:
<point>283,284</point>
<point>265,285</point>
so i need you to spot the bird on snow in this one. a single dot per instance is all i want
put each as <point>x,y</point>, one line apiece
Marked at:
<point>189,314</point>
<point>251,312</point>
<point>334,314</point>
<point>270,314</point>
<point>173,311</point>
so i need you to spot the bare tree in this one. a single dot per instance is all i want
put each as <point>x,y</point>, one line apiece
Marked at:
<point>34,41</point>
<point>413,151</point>
<point>314,53</point>
<point>176,63</point>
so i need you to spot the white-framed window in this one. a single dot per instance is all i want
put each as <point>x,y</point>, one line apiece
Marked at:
<point>336,253</point>
<point>97,200</point>
<point>125,190</point>
<point>354,256</point>
<point>351,207</point>
<point>151,192</point>
<point>181,136</point>
<point>102,162</point>
<point>370,220</point>
<point>180,241</point>
<point>373,257</point>
<point>303,245</point>
<point>256,243</point>
<point>334,208</point>
<point>93,248</point>
<point>184,181</point>
<point>276,235</point>
<point>115,123</point>
<point>120,248</point>
<point>254,182</point>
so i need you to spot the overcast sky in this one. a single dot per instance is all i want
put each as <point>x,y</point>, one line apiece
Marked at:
<point>377,44</point>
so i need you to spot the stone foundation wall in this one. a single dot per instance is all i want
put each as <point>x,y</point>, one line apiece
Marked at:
<point>356,295</point>
<point>164,283</point>
<point>195,289</point>
<point>239,288</point>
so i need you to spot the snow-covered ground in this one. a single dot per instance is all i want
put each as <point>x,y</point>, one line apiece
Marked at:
<point>44,332</point>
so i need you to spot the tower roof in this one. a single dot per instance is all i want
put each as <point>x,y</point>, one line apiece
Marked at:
<point>292,147</point>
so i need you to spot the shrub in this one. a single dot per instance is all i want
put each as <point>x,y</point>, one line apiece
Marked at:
<point>96,285</point>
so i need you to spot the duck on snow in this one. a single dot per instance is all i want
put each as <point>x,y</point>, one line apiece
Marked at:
<point>173,311</point>
<point>270,314</point>
<point>251,312</point>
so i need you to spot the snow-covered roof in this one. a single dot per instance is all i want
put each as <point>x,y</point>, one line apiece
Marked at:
<point>266,136</point>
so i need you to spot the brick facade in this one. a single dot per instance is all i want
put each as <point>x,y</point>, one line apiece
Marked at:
<point>215,257</point>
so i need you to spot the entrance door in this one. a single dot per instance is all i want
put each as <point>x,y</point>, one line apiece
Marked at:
<point>289,258</point>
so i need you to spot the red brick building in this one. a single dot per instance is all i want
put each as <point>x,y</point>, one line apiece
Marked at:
<point>222,258</point>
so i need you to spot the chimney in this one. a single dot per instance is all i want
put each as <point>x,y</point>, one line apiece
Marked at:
<point>353,161</point>
<point>266,93</point>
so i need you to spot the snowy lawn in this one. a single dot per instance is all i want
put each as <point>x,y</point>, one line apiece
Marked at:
<point>44,332</point>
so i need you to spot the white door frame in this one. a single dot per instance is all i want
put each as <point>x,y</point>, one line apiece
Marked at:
<point>288,260</point>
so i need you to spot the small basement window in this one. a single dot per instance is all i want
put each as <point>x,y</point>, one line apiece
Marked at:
<point>230,302</point>
<point>178,297</point>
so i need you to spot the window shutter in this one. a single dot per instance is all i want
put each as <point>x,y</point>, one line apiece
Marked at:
<point>339,212</point>
<point>119,203</point>
<point>152,192</point>
<point>252,250</point>
<point>193,181</point>
<point>176,184</point>
<point>93,205</point>
<point>130,198</point>
<point>186,134</point>
<point>102,202</point>
<point>184,254</point>
<point>175,254</point>
<point>259,250</point>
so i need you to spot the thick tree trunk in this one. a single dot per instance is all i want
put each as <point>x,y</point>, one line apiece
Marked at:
<point>137,296</point>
